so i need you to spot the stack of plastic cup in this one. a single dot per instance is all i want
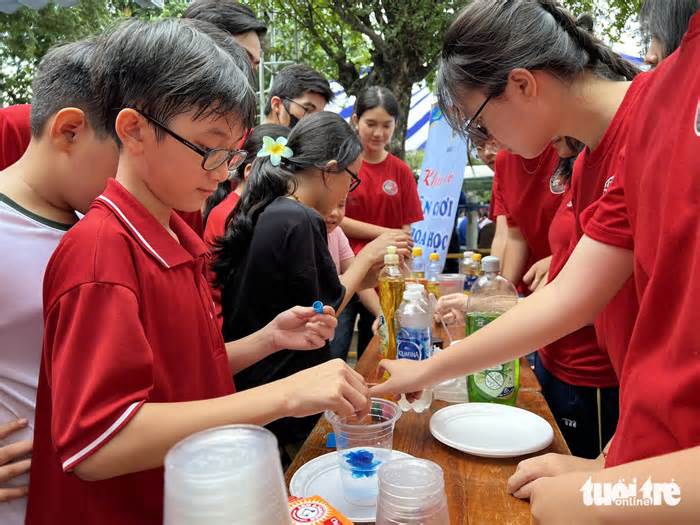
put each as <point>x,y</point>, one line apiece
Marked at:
<point>412,492</point>
<point>364,443</point>
<point>450,283</point>
<point>225,476</point>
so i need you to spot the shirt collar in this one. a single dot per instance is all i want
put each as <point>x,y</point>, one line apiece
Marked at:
<point>148,232</point>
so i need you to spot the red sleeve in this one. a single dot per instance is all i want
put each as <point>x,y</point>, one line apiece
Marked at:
<point>15,133</point>
<point>412,209</point>
<point>606,220</point>
<point>498,206</point>
<point>99,367</point>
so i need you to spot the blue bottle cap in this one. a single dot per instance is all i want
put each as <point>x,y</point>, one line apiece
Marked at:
<point>318,307</point>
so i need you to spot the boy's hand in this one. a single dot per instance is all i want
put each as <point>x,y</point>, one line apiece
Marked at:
<point>301,328</point>
<point>546,466</point>
<point>406,377</point>
<point>9,467</point>
<point>331,386</point>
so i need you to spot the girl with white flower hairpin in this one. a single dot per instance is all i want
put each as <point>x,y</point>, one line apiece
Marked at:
<point>274,253</point>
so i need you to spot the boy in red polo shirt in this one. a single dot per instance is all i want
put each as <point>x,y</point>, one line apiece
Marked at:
<point>133,358</point>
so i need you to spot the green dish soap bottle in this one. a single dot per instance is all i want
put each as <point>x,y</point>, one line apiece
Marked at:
<point>490,296</point>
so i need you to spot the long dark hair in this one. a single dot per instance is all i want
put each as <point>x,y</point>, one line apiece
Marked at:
<point>490,38</point>
<point>376,97</point>
<point>315,140</point>
<point>667,21</point>
<point>565,168</point>
<point>252,145</point>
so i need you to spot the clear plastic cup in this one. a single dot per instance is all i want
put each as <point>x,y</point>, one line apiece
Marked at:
<point>412,492</point>
<point>450,283</point>
<point>364,443</point>
<point>228,475</point>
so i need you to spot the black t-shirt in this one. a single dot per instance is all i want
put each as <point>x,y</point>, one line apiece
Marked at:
<point>287,264</point>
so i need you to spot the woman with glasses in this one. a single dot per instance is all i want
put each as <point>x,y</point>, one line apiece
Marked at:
<point>274,252</point>
<point>386,203</point>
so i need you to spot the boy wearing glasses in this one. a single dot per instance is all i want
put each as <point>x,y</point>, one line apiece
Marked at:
<point>296,92</point>
<point>133,358</point>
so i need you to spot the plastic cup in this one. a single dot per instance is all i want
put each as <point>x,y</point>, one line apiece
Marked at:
<point>363,445</point>
<point>450,283</point>
<point>228,475</point>
<point>412,492</point>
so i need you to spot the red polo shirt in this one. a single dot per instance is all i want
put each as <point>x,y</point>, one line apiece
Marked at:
<point>652,208</point>
<point>523,193</point>
<point>15,133</point>
<point>387,196</point>
<point>594,171</point>
<point>576,359</point>
<point>128,320</point>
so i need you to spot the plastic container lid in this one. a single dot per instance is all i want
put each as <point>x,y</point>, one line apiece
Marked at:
<point>434,256</point>
<point>468,255</point>
<point>391,256</point>
<point>477,257</point>
<point>417,251</point>
<point>491,264</point>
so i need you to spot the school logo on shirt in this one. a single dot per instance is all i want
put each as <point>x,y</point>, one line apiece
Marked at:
<point>390,187</point>
<point>697,120</point>
<point>608,183</point>
<point>557,184</point>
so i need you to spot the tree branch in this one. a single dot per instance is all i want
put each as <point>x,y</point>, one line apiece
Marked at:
<point>356,23</point>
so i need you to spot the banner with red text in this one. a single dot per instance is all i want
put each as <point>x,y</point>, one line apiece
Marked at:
<point>439,186</point>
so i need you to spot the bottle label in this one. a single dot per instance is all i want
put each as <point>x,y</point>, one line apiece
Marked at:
<point>413,343</point>
<point>498,381</point>
<point>383,336</point>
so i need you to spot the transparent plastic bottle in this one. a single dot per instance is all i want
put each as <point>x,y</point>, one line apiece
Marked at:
<point>473,271</point>
<point>490,296</point>
<point>418,265</point>
<point>391,287</point>
<point>432,275</point>
<point>464,265</point>
<point>414,322</point>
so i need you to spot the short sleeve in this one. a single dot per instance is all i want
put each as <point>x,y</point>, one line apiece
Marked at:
<point>99,367</point>
<point>498,206</point>
<point>344,250</point>
<point>607,221</point>
<point>313,274</point>
<point>411,206</point>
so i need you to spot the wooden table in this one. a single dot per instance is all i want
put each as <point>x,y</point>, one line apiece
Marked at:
<point>476,487</point>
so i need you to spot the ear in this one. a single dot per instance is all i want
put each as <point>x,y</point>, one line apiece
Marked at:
<point>131,128</point>
<point>522,84</point>
<point>247,170</point>
<point>354,120</point>
<point>66,127</point>
<point>331,165</point>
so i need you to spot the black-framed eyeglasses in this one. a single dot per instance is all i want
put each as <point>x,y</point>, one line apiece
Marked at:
<point>473,129</point>
<point>355,180</point>
<point>303,108</point>
<point>212,158</point>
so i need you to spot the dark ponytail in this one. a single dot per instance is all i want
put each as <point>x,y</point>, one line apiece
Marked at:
<point>251,146</point>
<point>315,140</point>
<point>490,38</point>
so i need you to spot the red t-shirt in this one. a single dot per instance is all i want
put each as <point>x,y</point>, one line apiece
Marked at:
<point>576,358</point>
<point>593,172</point>
<point>387,196</point>
<point>128,320</point>
<point>15,133</point>
<point>523,193</point>
<point>194,220</point>
<point>215,228</point>
<point>652,208</point>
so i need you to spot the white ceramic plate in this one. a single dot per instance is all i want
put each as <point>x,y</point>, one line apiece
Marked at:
<point>491,430</point>
<point>321,477</point>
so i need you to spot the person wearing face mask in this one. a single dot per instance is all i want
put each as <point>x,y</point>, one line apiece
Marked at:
<point>297,91</point>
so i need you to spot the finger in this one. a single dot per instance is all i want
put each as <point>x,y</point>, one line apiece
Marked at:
<point>12,426</point>
<point>520,478</point>
<point>525,492</point>
<point>413,396</point>
<point>12,470</point>
<point>329,310</point>
<point>15,450</point>
<point>534,285</point>
<point>529,275</point>
<point>358,400</point>
<point>383,389</point>
<point>13,493</point>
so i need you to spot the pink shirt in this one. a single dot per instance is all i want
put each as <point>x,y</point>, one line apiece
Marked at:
<point>339,246</point>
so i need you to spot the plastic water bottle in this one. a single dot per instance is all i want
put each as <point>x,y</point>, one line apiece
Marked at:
<point>418,265</point>
<point>432,275</point>
<point>490,296</point>
<point>472,271</point>
<point>464,265</point>
<point>413,339</point>
<point>391,287</point>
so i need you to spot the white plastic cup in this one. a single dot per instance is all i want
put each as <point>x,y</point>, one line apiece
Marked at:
<point>363,445</point>
<point>412,492</point>
<point>228,475</point>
